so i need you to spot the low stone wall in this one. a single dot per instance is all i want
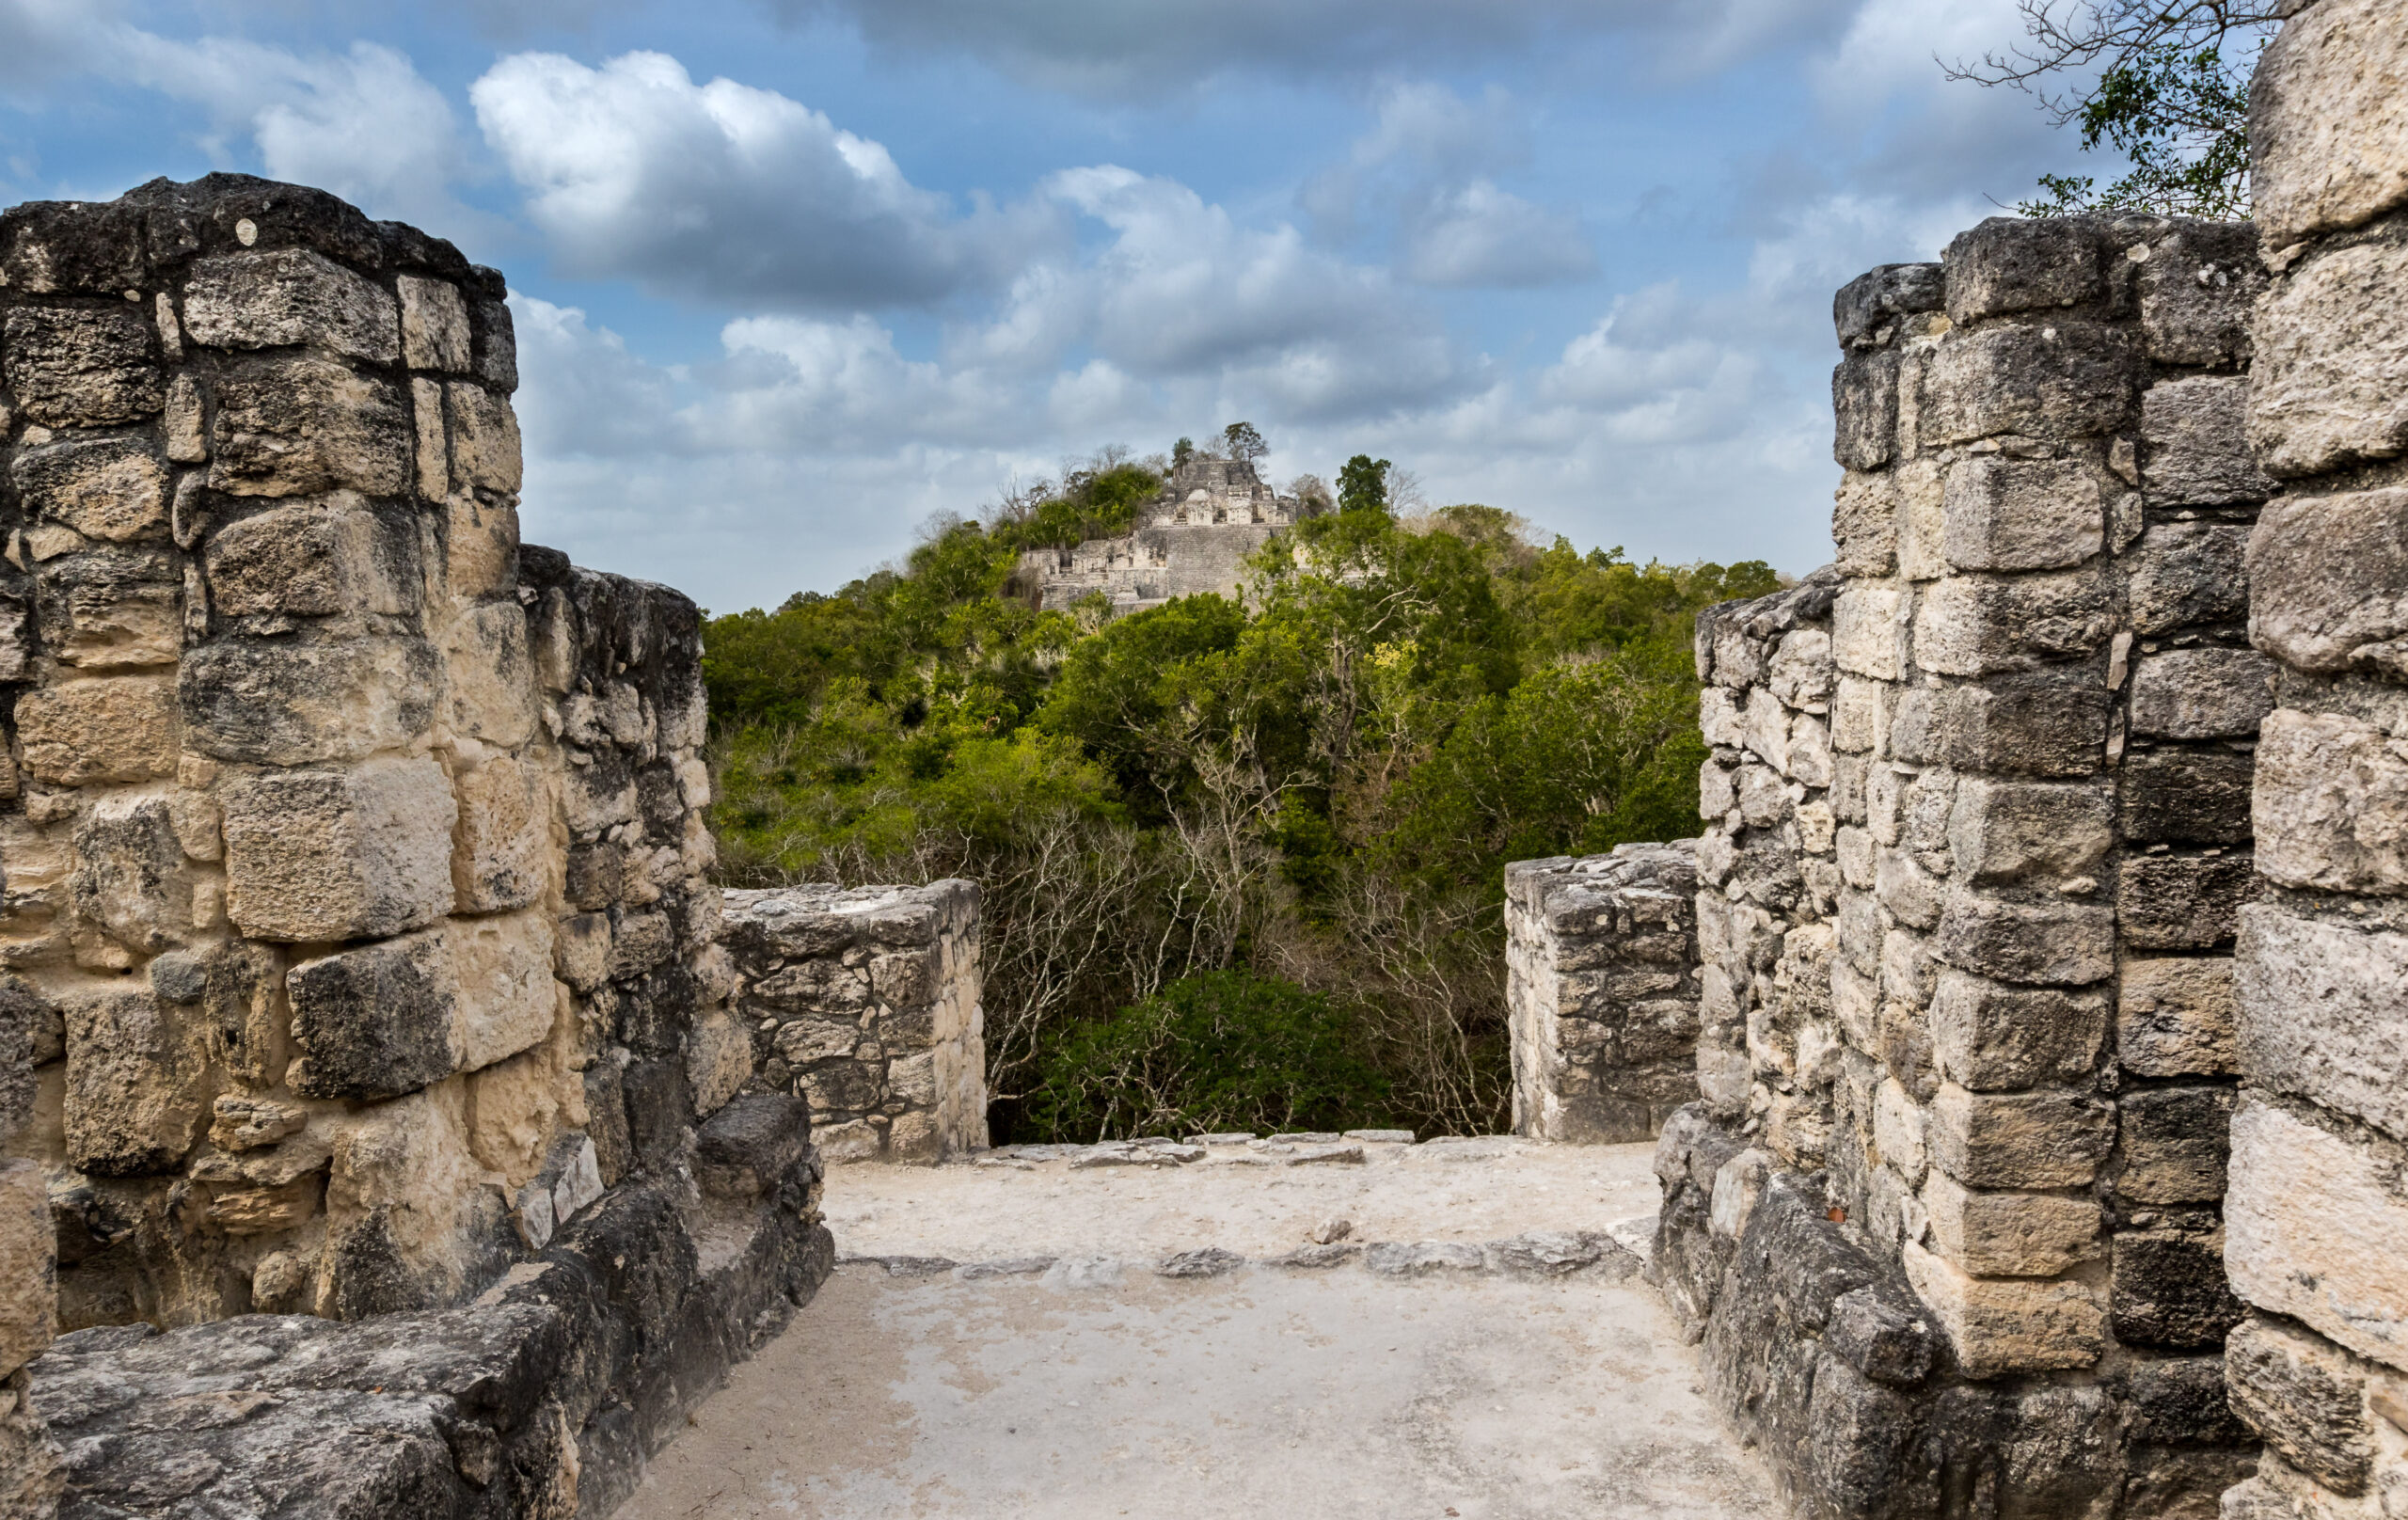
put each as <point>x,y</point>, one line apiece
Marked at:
<point>1962,1233</point>
<point>1601,991</point>
<point>864,1003</point>
<point>2317,1218</point>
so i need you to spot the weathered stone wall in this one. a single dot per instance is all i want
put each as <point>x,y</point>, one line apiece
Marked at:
<point>864,1003</point>
<point>2316,1219</point>
<point>1601,991</point>
<point>1192,538</point>
<point>356,922</point>
<point>1963,1233</point>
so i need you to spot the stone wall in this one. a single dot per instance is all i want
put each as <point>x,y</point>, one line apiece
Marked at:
<point>1193,538</point>
<point>1962,1231</point>
<point>864,1003</point>
<point>355,924</point>
<point>1601,992</point>
<point>2316,1219</point>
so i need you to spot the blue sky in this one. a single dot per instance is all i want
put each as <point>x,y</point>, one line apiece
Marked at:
<point>792,276</point>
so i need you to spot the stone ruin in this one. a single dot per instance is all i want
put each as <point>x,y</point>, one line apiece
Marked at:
<point>378,1130</point>
<point>2052,923</point>
<point>1192,538</point>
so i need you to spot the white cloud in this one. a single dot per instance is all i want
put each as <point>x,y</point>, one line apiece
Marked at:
<point>1479,235</point>
<point>727,192</point>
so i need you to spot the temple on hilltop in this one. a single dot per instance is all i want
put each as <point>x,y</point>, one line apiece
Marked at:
<point>1194,537</point>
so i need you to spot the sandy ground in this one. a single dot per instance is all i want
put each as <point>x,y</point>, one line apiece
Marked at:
<point>1332,1395</point>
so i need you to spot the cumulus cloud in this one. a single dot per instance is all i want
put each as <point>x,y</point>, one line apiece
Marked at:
<point>728,192</point>
<point>1136,49</point>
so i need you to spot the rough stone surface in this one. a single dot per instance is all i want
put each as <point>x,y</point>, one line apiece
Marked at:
<point>2328,133</point>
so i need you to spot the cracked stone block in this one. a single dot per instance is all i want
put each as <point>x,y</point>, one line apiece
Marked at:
<point>130,882</point>
<point>2332,795</point>
<point>2020,1140</point>
<point>313,559</point>
<point>2001,513</point>
<point>2302,1193</point>
<point>135,1094</point>
<point>81,368</point>
<point>507,997</point>
<point>2005,830</point>
<point>1987,1036</point>
<point>319,855</point>
<point>376,1021</point>
<point>745,1148</point>
<point>484,439</point>
<point>281,703</point>
<point>2060,380</point>
<point>112,729</point>
<point>285,297</point>
<point>112,608</point>
<point>111,488</point>
<point>2007,1234</point>
<point>304,424</point>
<point>434,325</point>
<point>2202,693</point>
<point>2048,945</point>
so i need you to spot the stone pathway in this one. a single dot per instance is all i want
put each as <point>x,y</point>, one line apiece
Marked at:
<point>1071,1332</point>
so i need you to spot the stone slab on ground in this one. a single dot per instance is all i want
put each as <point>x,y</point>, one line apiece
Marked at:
<point>1092,1385</point>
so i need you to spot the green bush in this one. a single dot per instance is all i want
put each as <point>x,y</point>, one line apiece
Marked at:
<point>1224,1051</point>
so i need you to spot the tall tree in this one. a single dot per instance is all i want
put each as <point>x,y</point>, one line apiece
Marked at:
<point>1244,442</point>
<point>2164,83</point>
<point>1363,485</point>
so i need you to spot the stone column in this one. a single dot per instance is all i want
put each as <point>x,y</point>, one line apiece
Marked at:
<point>865,1002</point>
<point>1601,992</point>
<point>2317,1233</point>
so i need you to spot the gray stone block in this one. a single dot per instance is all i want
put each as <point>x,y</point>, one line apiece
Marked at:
<point>1991,1037</point>
<point>2190,797</point>
<point>2321,1016</point>
<point>81,368</point>
<point>2194,442</point>
<point>2008,830</point>
<point>2181,902</point>
<point>303,425</point>
<point>2203,693</point>
<point>2175,1014</point>
<point>376,1021</point>
<point>2306,1397</point>
<point>2195,289</point>
<point>750,1146</point>
<point>2186,573</point>
<point>280,702</point>
<point>322,855</point>
<point>2044,944</point>
<point>2002,513</point>
<point>288,297</point>
<point>2167,1289</point>
<point>1869,311</point>
<point>2066,379</point>
<point>2037,725</point>
<point>2014,263</point>
<point>2328,582</point>
<point>2020,1140</point>
<point>1865,408</point>
<point>2175,1140</point>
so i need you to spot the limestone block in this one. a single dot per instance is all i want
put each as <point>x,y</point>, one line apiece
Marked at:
<point>1990,1038</point>
<point>245,1121</point>
<point>1864,525</point>
<point>1807,758</point>
<point>2011,1324</point>
<point>2166,1287</point>
<point>106,487</point>
<point>501,853</point>
<point>2054,380</point>
<point>2195,433</point>
<point>2046,945</point>
<point>2186,573</point>
<point>1899,1125</point>
<point>306,424</point>
<point>2175,1014</point>
<point>278,701</point>
<point>81,368</point>
<point>749,1146</point>
<point>507,998</point>
<point>2180,902</point>
<point>644,940</point>
<point>282,297</point>
<point>581,950</point>
<point>2202,693</point>
<point>2007,831</point>
<point>2020,1140</point>
<point>1923,519</point>
<point>1865,408</point>
<point>1974,624</point>
<point>2322,1015</point>
<point>312,559</point>
<point>2014,263</point>
<point>2196,286</point>
<point>376,1021</point>
<point>181,425</point>
<point>135,1084</point>
<point>2174,1142</point>
<point>484,439</point>
<point>517,1111</point>
<point>1718,719</point>
<point>2036,725</point>
<point>2306,1397</point>
<point>2328,582</point>
<point>2198,797</point>
<point>718,1060</point>
<point>1867,632</point>
<point>480,547</point>
<point>431,454</point>
<point>2315,1228</point>
<point>489,678</point>
<point>1800,672</point>
<point>112,729</point>
<point>2001,513</point>
<point>108,607</point>
<point>28,1263</point>
<point>1860,716</point>
<point>2331,805</point>
<point>317,855</point>
<point>130,882</point>
<point>2324,390</point>
<point>2328,120</point>
<point>434,325</point>
<point>407,1207</point>
<point>2011,1234</point>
